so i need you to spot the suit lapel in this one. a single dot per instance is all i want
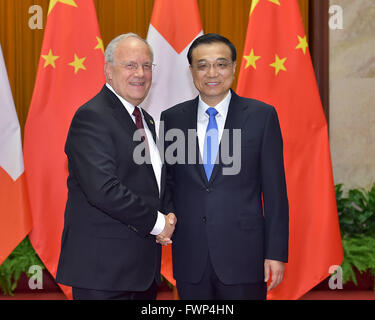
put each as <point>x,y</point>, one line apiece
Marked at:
<point>123,116</point>
<point>126,121</point>
<point>234,120</point>
<point>191,111</point>
<point>120,113</point>
<point>150,124</point>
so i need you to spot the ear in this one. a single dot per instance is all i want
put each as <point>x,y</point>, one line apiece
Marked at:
<point>191,70</point>
<point>234,67</point>
<point>108,71</point>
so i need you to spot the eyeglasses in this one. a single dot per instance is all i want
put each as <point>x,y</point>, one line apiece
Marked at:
<point>133,66</point>
<point>218,65</point>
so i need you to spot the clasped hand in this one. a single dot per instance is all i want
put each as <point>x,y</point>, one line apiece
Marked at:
<point>164,238</point>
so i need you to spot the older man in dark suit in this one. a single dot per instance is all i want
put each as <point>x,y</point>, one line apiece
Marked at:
<point>108,248</point>
<point>232,231</point>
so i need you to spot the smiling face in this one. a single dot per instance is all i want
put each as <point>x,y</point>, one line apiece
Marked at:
<point>213,71</point>
<point>132,85</point>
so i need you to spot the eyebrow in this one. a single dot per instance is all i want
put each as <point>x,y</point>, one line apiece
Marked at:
<point>131,61</point>
<point>218,59</point>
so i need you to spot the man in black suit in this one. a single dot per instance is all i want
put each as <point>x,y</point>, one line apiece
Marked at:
<point>108,247</point>
<point>232,231</point>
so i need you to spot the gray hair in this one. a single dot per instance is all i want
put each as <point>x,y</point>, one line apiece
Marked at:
<point>110,50</point>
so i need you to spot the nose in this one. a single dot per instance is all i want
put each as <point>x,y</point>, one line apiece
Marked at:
<point>212,70</point>
<point>139,72</point>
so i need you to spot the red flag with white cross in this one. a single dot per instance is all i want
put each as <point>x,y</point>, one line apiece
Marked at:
<point>174,26</point>
<point>15,218</point>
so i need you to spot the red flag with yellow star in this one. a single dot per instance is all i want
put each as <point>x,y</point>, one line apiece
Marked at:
<point>70,73</point>
<point>277,69</point>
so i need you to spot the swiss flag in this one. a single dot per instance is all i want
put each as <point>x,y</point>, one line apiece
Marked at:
<point>277,69</point>
<point>174,26</point>
<point>70,72</point>
<point>15,218</point>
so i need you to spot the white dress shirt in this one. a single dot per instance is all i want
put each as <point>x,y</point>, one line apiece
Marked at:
<point>154,154</point>
<point>203,118</point>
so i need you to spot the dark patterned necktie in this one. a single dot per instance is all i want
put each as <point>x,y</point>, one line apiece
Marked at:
<point>139,122</point>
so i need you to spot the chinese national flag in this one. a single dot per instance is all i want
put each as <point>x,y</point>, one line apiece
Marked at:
<point>71,71</point>
<point>174,26</point>
<point>15,218</point>
<point>277,69</point>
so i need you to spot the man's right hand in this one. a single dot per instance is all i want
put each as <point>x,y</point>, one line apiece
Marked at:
<point>164,238</point>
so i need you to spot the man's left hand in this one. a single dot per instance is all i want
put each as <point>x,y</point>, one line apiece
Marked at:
<point>277,269</point>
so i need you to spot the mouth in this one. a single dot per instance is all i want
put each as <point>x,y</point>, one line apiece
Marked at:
<point>212,84</point>
<point>137,83</point>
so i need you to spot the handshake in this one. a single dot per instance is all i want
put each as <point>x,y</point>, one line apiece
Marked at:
<point>164,238</point>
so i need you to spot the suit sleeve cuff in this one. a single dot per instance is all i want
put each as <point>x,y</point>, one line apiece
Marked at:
<point>159,225</point>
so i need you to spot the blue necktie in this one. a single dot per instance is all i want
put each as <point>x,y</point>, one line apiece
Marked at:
<point>211,143</point>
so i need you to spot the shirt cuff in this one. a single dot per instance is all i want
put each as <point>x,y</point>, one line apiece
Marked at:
<point>159,225</point>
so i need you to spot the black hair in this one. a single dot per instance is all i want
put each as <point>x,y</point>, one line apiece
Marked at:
<point>208,39</point>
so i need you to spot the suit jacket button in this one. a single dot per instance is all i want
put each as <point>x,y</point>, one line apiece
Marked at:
<point>208,190</point>
<point>204,219</point>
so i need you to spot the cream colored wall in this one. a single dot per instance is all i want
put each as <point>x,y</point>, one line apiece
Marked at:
<point>352,95</point>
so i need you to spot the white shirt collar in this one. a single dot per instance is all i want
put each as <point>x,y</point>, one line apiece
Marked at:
<point>221,107</point>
